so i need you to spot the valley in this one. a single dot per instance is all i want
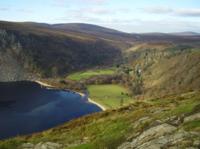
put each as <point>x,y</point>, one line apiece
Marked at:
<point>146,87</point>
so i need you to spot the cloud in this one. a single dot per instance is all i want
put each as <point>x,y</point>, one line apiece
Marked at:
<point>161,25</point>
<point>96,11</point>
<point>4,9</point>
<point>172,11</point>
<point>158,10</point>
<point>25,10</point>
<point>94,1</point>
<point>100,11</point>
<point>64,2</point>
<point>61,3</point>
<point>188,12</point>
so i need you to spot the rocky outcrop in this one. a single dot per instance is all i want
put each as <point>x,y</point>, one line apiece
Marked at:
<point>163,136</point>
<point>167,141</point>
<point>192,117</point>
<point>42,145</point>
<point>151,133</point>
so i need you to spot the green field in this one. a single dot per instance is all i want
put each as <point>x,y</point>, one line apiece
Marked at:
<point>110,96</point>
<point>90,73</point>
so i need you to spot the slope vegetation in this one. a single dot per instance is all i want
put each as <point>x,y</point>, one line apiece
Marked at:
<point>162,69</point>
<point>44,51</point>
<point>167,122</point>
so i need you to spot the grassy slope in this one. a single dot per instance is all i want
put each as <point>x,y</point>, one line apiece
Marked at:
<point>109,96</point>
<point>90,73</point>
<point>173,75</point>
<point>110,128</point>
<point>46,51</point>
<point>166,68</point>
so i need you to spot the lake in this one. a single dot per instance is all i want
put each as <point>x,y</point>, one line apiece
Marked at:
<point>27,107</point>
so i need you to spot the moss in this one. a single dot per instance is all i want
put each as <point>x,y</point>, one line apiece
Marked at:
<point>11,143</point>
<point>192,126</point>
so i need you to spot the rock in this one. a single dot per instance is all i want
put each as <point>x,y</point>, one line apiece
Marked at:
<point>27,146</point>
<point>196,143</point>
<point>39,146</point>
<point>141,121</point>
<point>164,141</point>
<point>176,120</point>
<point>126,145</point>
<point>158,111</point>
<point>42,145</point>
<point>52,145</point>
<point>192,117</point>
<point>134,135</point>
<point>48,145</point>
<point>156,123</point>
<point>152,133</point>
<point>178,139</point>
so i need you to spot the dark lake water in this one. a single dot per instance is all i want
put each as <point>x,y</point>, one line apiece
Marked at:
<point>26,107</point>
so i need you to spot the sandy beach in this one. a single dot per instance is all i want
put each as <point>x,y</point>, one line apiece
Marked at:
<point>89,100</point>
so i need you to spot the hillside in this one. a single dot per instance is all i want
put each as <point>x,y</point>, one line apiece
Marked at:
<point>167,122</point>
<point>158,69</point>
<point>33,50</point>
<point>94,30</point>
<point>156,75</point>
<point>45,52</point>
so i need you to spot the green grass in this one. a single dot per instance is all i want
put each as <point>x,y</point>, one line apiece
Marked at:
<point>90,73</point>
<point>11,143</point>
<point>192,126</point>
<point>110,128</point>
<point>110,96</point>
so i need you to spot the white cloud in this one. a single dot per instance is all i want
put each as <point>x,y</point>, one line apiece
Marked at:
<point>25,10</point>
<point>95,1</point>
<point>4,9</point>
<point>100,11</point>
<point>158,10</point>
<point>188,12</point>
<point>172,11</point>
<point>64,2</point>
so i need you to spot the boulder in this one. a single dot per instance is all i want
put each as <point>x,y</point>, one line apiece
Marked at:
<point>27,146</point>
<point>196,143</point>
<point>126,145</point>
<point>48,145</point>
<point>175,140</point>
<point>152,133</point>
<point>193,117</point>
<point>42,145</point>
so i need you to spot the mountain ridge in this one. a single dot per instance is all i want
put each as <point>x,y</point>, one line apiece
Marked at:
<point>72,47</point>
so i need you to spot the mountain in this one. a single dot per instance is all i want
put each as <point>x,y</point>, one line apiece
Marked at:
<point>166,68</point>
<point>45,50</point>
<point>186,34</point>
<point>34,50</point>
<point>162,72</point>
<point>93,30</point>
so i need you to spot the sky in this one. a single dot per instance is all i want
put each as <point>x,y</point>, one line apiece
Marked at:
<point>134,16</point>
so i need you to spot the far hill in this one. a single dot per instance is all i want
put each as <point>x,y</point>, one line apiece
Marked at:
<point>44,51</point>
<point>93,30</point>
<point>48,50</point>
<point>186,34</point>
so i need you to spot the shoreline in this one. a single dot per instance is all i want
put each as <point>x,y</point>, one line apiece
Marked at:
<point>42,83</point>
<point>91,101</point>
<point>81,94</point>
